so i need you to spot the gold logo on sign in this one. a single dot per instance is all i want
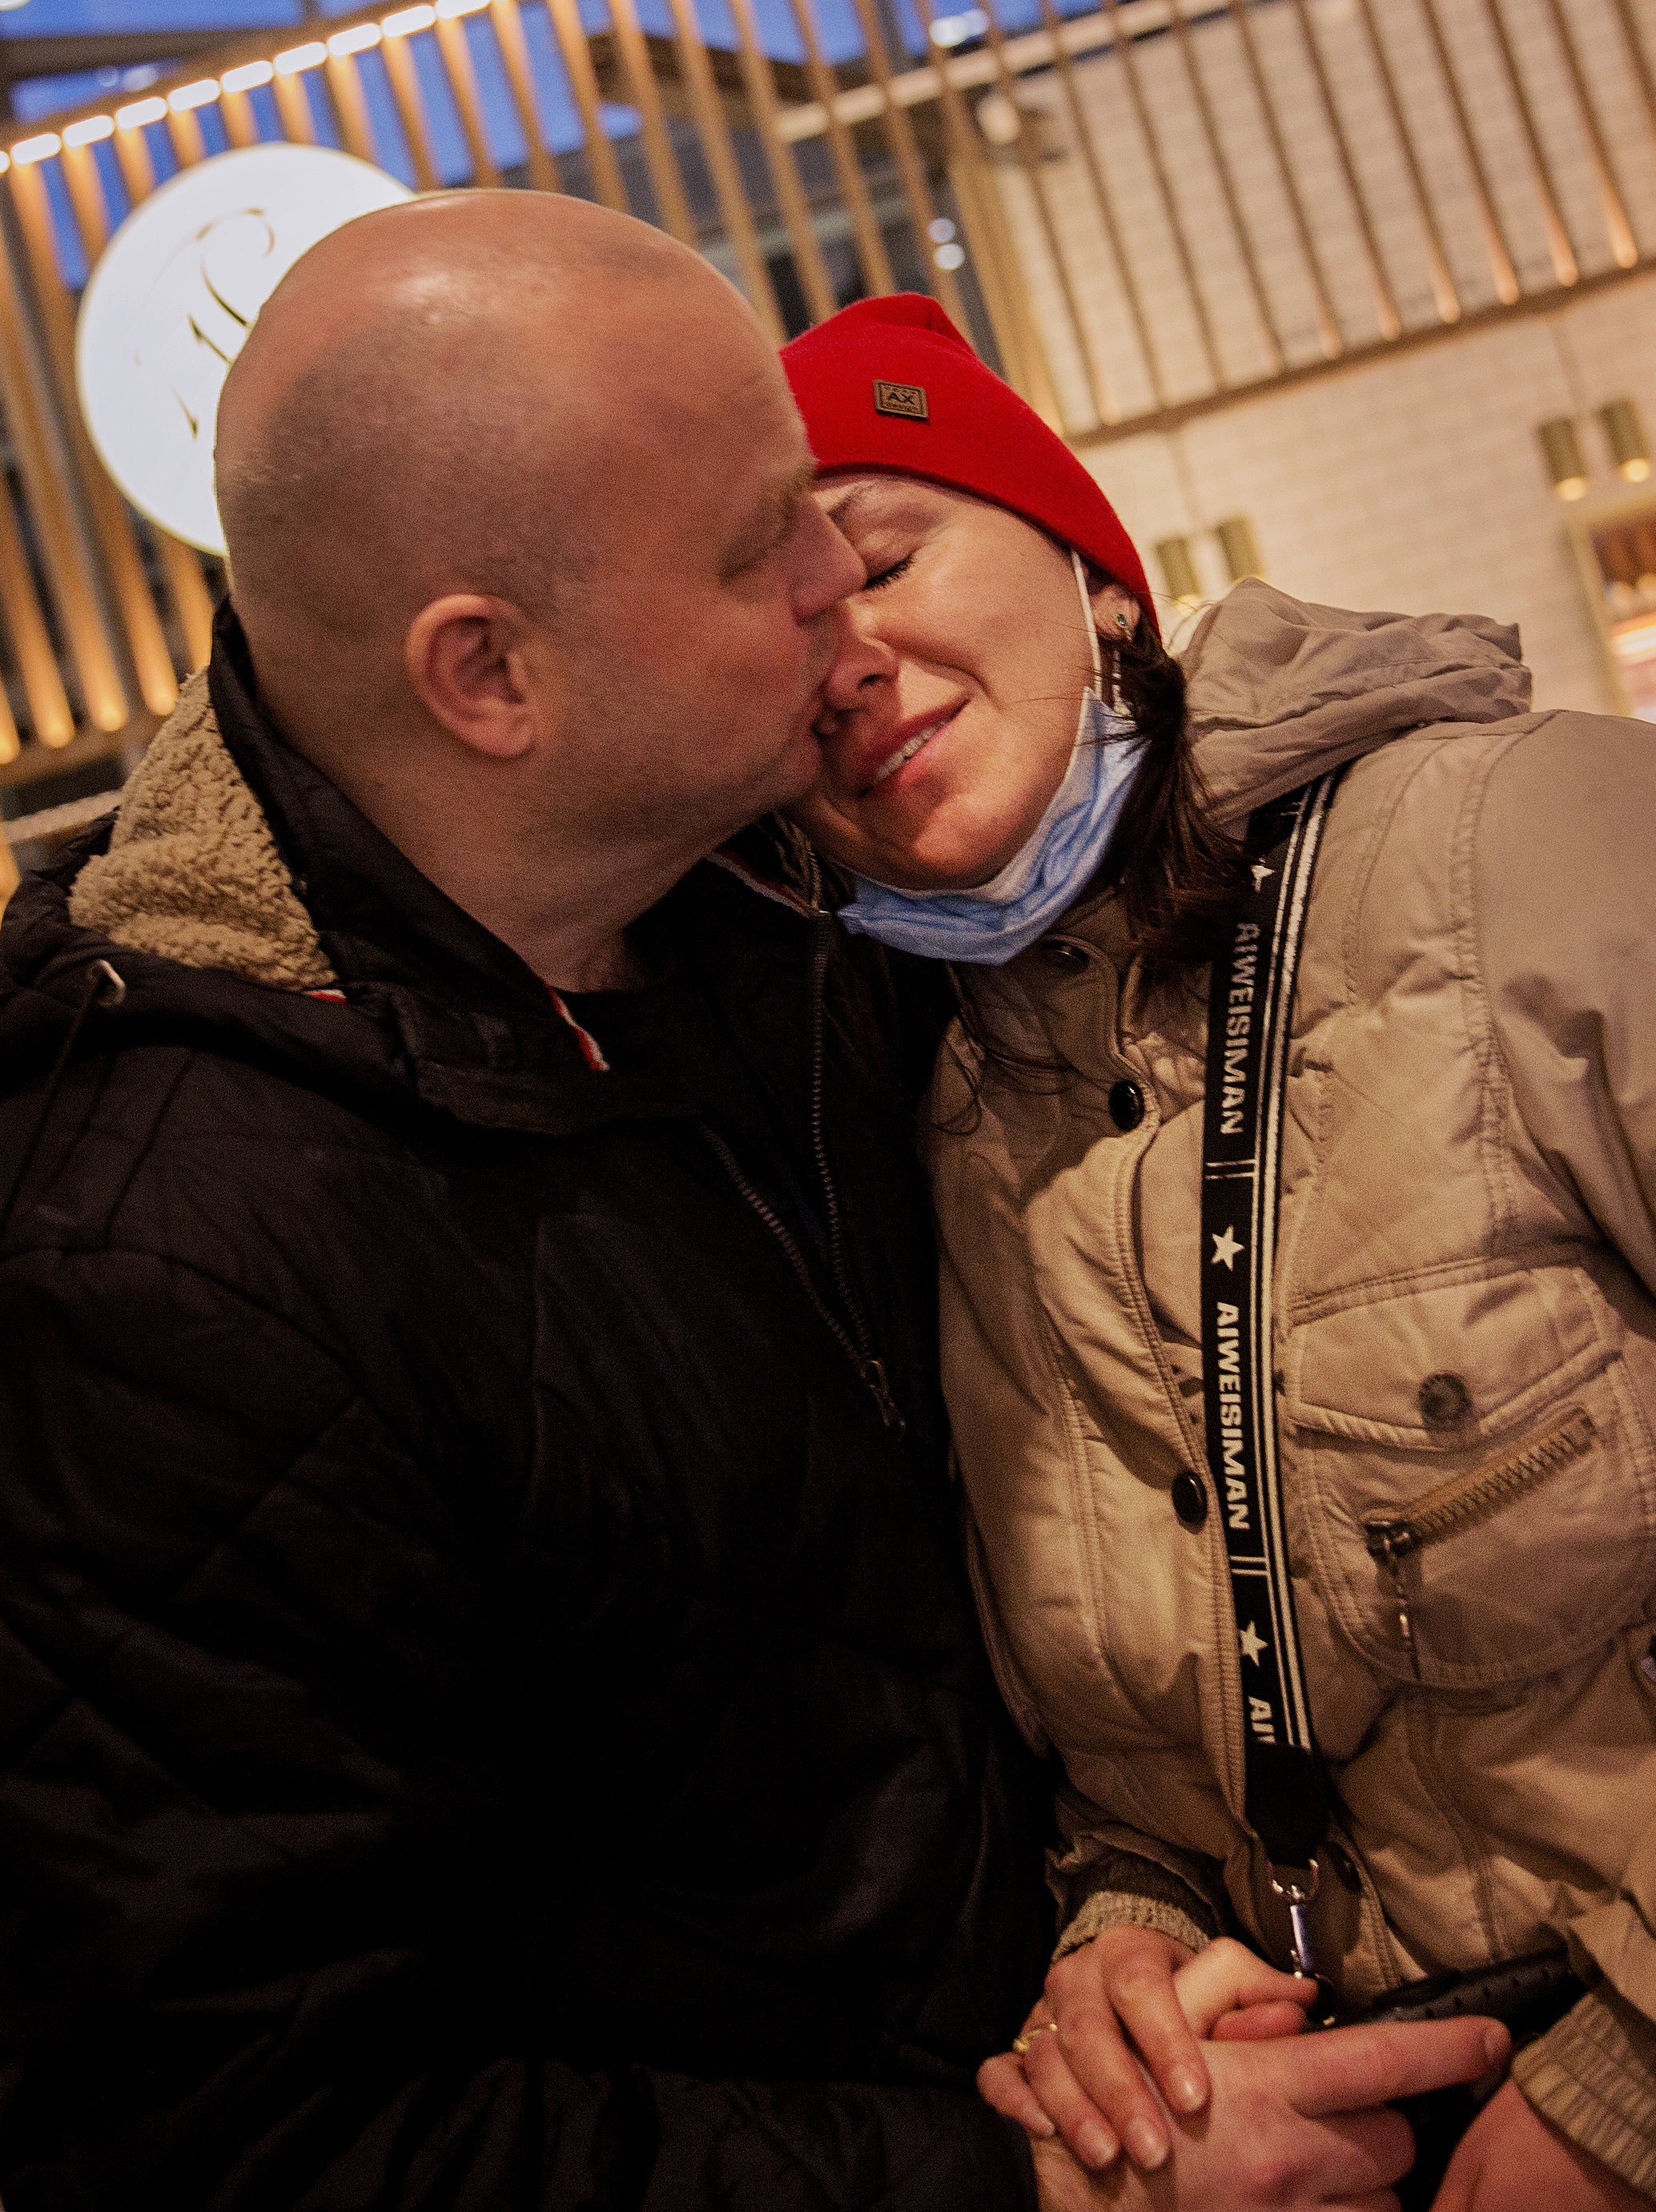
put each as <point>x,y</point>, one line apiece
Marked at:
<point>899,400</point>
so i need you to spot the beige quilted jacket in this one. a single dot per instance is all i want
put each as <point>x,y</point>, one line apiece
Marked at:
<point>1466,1335</point>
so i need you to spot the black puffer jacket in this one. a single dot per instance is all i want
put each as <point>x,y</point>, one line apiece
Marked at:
<point>492,1716</point>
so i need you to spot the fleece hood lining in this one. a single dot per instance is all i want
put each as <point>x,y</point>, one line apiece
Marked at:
<point>192,872</point>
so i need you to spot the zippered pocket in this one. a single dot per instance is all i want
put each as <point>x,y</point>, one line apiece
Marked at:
<point>1468,1498</point>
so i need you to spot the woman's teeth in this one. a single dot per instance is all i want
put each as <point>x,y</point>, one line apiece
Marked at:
<point>907,753</point>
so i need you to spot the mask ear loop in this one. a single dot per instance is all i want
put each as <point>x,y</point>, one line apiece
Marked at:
<point>1118,704</point>
<point>1087,618</point>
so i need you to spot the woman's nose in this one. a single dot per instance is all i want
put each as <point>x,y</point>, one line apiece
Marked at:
<point>863,662</point>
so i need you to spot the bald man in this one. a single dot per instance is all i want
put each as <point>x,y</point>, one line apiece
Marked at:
<point>492,1715</point>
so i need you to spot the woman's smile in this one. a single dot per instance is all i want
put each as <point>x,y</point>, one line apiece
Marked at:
<point>908,741</point>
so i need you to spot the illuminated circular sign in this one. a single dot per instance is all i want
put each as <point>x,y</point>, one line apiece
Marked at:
<point>171,302</point>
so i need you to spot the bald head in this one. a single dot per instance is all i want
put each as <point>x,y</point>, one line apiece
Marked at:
<point>428,400</point>
<point>521,536</point>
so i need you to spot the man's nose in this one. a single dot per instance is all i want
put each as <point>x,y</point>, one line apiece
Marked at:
<point>829,569</point>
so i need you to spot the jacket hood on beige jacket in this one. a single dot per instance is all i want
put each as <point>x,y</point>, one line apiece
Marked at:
<point>1281,692</point>
<point>1466,1303</point>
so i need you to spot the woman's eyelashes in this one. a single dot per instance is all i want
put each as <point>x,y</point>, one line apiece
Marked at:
<point>881,572</point>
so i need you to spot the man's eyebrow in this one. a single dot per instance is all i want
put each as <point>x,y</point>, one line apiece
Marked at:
<point>799,485</point>
<point>782,497</point>
<point>775,505</point>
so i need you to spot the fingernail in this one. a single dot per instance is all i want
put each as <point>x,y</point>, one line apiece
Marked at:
<point>1185,2090</point>
<point>1042,2126</point>
<point>1094,2147</point>
<point>1146,2146</point>
<point>1497,2045</point>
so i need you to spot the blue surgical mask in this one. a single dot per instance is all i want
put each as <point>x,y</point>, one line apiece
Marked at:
<point>993,922</point>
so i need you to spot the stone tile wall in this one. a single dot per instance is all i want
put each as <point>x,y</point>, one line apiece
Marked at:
<point>1414,483</point>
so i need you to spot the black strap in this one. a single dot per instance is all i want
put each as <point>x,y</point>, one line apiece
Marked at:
<point>1251,1001</point>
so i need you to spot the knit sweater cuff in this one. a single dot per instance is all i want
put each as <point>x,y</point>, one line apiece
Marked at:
<point>1125,1891</point>
<point>1593,2076</point>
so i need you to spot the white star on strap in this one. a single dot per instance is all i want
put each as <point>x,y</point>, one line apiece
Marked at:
<point>1253,1642</point>
<point>1226,1248</point>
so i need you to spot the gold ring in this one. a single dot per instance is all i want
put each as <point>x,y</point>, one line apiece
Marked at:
<point>1021,2043</point>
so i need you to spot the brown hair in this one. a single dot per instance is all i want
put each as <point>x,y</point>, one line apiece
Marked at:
<point>1176,873</point>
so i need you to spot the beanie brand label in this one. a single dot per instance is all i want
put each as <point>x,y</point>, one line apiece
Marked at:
<point>900,400</point>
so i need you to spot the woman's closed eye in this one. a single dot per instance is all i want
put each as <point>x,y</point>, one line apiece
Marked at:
<point>882,572</point>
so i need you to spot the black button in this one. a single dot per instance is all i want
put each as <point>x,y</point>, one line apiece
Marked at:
<point>1126,1105</point>
<point>1189,1498</point>
<point>1345,1868</point>
<point>1057,954</point>
<point>1444,1402</point>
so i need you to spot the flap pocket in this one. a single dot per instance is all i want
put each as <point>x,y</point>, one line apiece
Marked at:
<point>1510,1528</point>
<point>1482,1356</point>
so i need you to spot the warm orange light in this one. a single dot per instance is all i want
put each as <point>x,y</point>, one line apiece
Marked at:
<point>1561,450</point>
<point>1625,434</point>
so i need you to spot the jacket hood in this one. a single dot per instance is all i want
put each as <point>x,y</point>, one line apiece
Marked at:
<point>1280,691</point>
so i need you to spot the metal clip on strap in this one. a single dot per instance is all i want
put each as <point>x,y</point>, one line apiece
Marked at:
<point>1296,1887</point>
<point>1249,1006</point>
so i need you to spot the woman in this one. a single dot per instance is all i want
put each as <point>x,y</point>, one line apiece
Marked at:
<point>1021,781</point>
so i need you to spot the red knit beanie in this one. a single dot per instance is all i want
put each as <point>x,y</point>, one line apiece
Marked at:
<point>891,384</point>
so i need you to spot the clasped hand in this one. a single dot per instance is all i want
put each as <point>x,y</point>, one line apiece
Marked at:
<point>1126,1997</point>
<point>1250,2118</point>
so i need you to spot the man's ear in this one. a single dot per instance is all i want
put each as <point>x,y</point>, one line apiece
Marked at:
<point>469,660</point>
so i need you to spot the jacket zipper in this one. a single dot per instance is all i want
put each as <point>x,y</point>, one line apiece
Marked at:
<point>857,1342</point>
<point>1466,1500</point>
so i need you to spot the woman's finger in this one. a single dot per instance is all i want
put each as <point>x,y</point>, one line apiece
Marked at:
<point>1122,1985</point>
<point>1227,1976</point>
<point>1075,2115</point>
<point>1003,2084</point>
<point>1259,2023</point>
